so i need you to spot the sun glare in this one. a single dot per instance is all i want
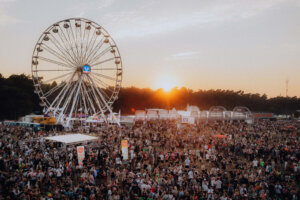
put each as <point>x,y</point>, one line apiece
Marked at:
<point>166,83</point>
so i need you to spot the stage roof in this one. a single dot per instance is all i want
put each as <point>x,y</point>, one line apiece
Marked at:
<point>72,138</point>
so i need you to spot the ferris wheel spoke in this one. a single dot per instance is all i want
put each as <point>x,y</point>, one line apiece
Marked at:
<point>78,106</point>
<point>56,78</point>
<point>95,50</point>
<point>97,99</point>
<point>105,76</point>
<point>58,103</point>
<point>71,41</point>
<point>59,97</point>
<point>61,46</point>
<point>52,90</point>
<point>53,62</point>
<point>82,43</point>
<point>83,99</point>
<point>99,93</point>
<point>60,55</point>
<point>91,44</point>
<point>102,53</point>
<point>88,97</point>
<point>106,86</point>
<point>89,104</point>
<point>111,68</point>
<point>89,51</point>
<point>95,88</point>
<point>74,100</point>
<point>52,70</point>
<point>102,90</point>
<point>103,61</point>
<point>79,40</point>
<point>92,93</point>
<point>67,44</point>
<point>75,40</point>
<point>88,44</point>
<point>67,102</point>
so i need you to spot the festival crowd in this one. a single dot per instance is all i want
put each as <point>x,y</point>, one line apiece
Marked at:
<point>166,161</point>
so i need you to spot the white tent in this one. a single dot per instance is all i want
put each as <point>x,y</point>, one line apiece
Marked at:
<point>161,113</point>
<point>72,138</point>
<point>140,115</point>
<point>152,114</point>
<point>127,119</point>
<point>204,115</point>
<point>173,114</point>
<point>195,111</point>
<point>186,117</point>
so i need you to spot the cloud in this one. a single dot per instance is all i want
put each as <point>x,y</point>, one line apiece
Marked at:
<point>5,1</point>
<point>105,3</point>
<point>157,17</point>
<point>183,55</point>
<point>81,14</point>
<point>4,18</point>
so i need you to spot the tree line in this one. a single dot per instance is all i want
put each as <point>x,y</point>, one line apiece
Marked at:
<point>17,98</point>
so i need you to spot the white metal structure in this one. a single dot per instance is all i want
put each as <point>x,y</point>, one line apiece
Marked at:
<point>217,113</point>
<point>241,113</point>
<point>76,70</point>
<point>72,138</point>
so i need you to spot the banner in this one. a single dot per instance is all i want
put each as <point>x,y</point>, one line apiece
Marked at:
<point>80,155</point>
<point>124,147</point>
<point>188,120</point>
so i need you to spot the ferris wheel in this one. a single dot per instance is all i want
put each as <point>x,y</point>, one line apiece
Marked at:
<point>76,70</point>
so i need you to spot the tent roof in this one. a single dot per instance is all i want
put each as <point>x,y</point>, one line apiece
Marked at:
<point>184,113</point>
<point>72,138</point>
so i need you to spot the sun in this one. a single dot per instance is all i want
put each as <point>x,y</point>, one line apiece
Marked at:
<point>166,82</point>
<point>167,86</point>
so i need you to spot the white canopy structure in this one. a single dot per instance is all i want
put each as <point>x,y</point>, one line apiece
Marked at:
<point>72,138</point>
<point>173,114</point>
<point>195,111</point>
<point>217,113</point>
<point>204,115</point>
<point>186,117</point>
<point>157,113</point>
<point>163,114</point>
<point>152,114</point>
<point>140,115</point>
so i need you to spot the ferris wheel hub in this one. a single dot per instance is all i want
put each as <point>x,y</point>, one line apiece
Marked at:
<point>86,69</point>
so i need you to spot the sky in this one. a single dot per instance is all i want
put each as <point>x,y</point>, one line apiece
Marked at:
<point>249,45</point>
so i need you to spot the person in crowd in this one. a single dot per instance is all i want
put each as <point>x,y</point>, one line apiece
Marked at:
<point>165,161</point>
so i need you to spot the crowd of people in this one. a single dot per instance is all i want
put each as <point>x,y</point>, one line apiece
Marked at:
<point>166,160</point>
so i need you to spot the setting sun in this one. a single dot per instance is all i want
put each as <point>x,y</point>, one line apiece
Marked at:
<point>166,83</point>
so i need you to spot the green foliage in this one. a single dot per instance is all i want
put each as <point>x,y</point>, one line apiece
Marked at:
<point>179,98</point>
<point>17,99</point>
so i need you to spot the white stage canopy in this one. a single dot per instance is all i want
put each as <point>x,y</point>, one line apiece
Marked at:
<point>72,138</point>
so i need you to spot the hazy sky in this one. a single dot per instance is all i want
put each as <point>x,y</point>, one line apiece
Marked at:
<point>250,45</point>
